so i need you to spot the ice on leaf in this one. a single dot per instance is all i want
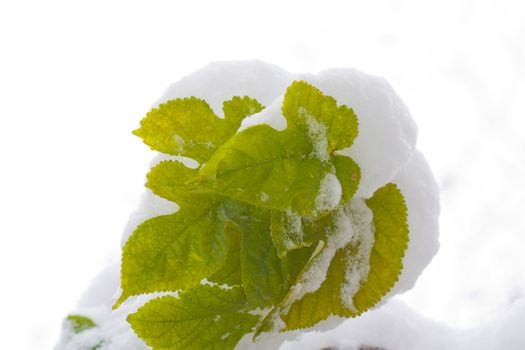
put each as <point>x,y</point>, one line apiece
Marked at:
<point>266,277</point>
<point>287,231</point>
<point>307,108</point>
<point>339,294</point>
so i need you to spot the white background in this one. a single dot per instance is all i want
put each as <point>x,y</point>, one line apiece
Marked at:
<point>76,78</point>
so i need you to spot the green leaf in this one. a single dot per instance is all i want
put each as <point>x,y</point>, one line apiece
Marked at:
<point>230,273</point>
<point>80,323</point>
<point>171,180</point>
<point>204,317</point>
<point>344,292</point>
<point>307,108</point>
<point>236,109</point>
<point>325,301</point>
<point>349,174</point>
<point>176,251</point>
<point>294,168</point>
<point>267,168</point>
<point>290,231</point>
<point>188,127</point>
<point>266,278</point>
<point>391,241</point>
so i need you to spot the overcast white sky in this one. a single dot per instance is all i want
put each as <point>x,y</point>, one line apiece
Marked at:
<point>76,77</point>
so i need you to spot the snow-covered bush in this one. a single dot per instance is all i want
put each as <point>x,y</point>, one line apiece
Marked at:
<point>279,203</point>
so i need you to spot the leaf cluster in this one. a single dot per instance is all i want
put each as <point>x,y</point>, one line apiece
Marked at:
<point>269,236</point>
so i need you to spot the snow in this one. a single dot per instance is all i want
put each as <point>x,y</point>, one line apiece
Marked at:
<point>294,228</point>
<point>395,326</point>
<point>384,149</point>
<point>151,205</point>
<point>112,331</point>
<point>220,81</point>
<point>330,192</point>
<point>270,115</point>
<point>421,193</point>
<point>361,218</point>
<point>317,133</point>
<point>387,133</point>
<point>316,270</point>
<point>459,66</point>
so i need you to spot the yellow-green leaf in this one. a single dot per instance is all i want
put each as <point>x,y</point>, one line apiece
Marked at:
<point>265,277</point>
<point>342,292</point>
<point>391,241</point>
<point>267,168</point>
<point>176,251</point>
<point>188,126</point>
<point>230,273</point>
<point>80,323</point>
<point>204,317</point>
<point>294,168</point>
<point>307,108</point>
<point>349,174</point>
<point>171,180</point>
<point>291,231</point>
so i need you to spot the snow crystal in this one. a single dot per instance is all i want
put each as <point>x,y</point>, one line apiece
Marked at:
<point>315,273</point>
<point>363,239</point>
<point>259,312</point>
<point>294,229</point>
<point>265,197</point>
<point>317,133</point>
<point>330,193</point>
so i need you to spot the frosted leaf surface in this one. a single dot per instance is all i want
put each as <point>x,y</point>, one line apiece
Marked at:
<point>287,231</point>
<point>330,192</point>
<point>363,238</point>
<point>315,272</point>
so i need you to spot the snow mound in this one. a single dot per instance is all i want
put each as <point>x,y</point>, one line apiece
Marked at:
<point>384,150</point>
<point>395,326</point>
